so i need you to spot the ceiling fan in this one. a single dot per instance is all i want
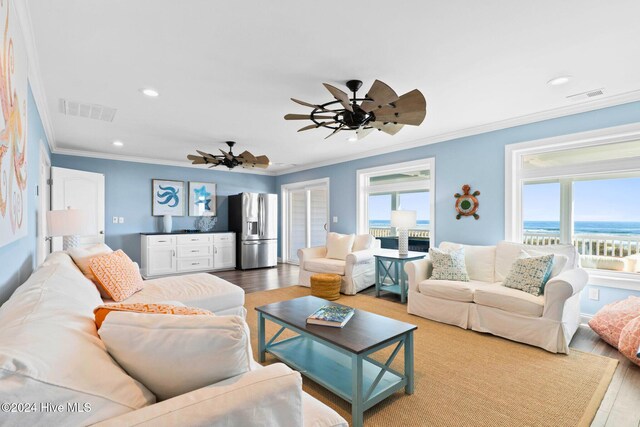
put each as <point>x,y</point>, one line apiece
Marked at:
<point>381,108</point>
<point>230,160</point>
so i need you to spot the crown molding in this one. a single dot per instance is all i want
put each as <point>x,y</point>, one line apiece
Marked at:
<point>555,113</point>
<point>152,161</point>
<point>35,80</point>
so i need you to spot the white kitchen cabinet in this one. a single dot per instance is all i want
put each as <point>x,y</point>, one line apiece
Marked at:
<point>166,254</point>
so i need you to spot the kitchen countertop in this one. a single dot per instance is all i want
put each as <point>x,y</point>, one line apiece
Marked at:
<point>162,233</point>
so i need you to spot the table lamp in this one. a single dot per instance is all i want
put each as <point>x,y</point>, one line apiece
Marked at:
<point>403,221</point>
<point>68,223</point>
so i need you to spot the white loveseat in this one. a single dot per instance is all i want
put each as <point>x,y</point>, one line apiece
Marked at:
<point>484,305</point>
<point>357,269</point>
<point>52,355</point>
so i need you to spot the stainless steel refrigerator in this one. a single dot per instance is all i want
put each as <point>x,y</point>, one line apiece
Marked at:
<point>254,219</point>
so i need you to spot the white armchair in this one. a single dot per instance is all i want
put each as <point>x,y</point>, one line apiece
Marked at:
<point>357,269</point>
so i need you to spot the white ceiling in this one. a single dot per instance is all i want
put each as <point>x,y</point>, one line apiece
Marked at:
<point>226,70</point>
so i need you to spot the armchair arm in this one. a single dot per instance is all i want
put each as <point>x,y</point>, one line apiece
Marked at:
<point>270,396</point>
<point>311,253</point>
<point>417,271</point>
<point>562,287</point>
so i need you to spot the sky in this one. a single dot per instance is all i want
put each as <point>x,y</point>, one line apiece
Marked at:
<point>380,205</point>
<point>597,200</point>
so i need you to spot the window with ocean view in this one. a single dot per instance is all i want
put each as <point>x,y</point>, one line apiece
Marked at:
<point>584,194</point>
<point>403,186</point>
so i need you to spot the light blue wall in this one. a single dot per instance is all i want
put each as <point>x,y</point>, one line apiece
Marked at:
<point>128,195</point>
<point>475,160</point>
<point>17,259</point>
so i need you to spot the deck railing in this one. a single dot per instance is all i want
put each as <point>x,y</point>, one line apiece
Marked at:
<point>386,232</point>
<point>614,245</point>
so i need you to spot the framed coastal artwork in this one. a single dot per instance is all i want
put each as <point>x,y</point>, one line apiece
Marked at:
<point>202,199</point>
<point>13,127</point>
<point>168,197</point>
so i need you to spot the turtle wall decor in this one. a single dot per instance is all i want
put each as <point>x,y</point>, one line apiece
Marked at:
<point>467,204</point>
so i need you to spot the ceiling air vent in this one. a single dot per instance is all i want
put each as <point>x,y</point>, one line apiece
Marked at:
<point>586,95</point>
<point>88,111</point>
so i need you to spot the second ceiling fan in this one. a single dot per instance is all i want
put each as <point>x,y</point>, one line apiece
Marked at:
<point>381,108</point>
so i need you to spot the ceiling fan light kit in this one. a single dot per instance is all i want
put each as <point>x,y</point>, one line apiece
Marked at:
<point>381,108</point>
<point>230,160</point>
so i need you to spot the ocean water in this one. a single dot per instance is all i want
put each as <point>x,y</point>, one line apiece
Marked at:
<point>385,223</point>
<point>585,227</point>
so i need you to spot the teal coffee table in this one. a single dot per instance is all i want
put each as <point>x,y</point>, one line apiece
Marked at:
<point>390,274</point>
<point>339,359</point>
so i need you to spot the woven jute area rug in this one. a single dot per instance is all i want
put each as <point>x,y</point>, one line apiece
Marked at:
<point>464,378</point>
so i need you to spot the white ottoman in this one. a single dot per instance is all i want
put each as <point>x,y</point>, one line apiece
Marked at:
<point>200,290</point>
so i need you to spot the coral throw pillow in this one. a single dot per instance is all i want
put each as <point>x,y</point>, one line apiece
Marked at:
<point>116,274</point>
<point>629,344</point>
<point>102,311</point>
<point>612,318</point>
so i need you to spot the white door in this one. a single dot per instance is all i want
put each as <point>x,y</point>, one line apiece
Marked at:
<point>307,214</point>
<point>44,204</point>
<point>79,190</point>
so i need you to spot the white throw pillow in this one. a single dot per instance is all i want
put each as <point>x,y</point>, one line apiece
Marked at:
<point>362,242</point>
<point>479,260</point>
<point>339,245</point>
<point>172,354</point>
<point>81,257</point>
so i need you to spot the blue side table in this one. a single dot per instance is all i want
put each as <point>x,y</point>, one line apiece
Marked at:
<point>390,275</point>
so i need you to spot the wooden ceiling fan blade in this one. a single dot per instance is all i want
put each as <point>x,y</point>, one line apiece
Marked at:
<point>381,94</point>
<point>389,128</point>
<point>262,160</point>
<point>362,132</point>
<point>316,126</point>
<point>340,96</point>
<point>334,132</point>
<point>247,157</point>
<point>409,109</point>
<point>226,155</point>
<point>308,104</point>
<point>197,160</point>
<point>304,117</point>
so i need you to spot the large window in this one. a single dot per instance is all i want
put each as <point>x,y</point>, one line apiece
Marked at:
<point>404,186</point>
<point>581,192</point>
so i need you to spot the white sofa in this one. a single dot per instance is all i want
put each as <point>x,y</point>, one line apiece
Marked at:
<point>484,305</point>
<point>51,354</point>
<point>357,269</point>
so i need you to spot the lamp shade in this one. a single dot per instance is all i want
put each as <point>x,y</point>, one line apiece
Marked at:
<point>403,219</point>
<point>68,222</point>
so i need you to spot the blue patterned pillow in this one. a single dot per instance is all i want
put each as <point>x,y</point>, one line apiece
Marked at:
<point>448,265</point>
<point>530,274</point>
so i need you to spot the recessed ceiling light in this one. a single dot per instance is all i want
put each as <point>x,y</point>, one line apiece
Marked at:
<point>560,80</point>
<point>152,93</point>
<point>118,143</point>
<point>352,138</point>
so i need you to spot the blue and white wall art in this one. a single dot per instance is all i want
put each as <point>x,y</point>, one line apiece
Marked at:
<point>202,199</point>
<point>168,197</point>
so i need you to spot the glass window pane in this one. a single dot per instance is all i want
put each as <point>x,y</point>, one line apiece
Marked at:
<point>541,213</point>
<point>417,201</point>
<point>379,208</point>
<point>607,223</point>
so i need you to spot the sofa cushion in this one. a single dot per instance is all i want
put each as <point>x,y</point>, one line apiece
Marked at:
<point>479,260</point>
<point>362,242</point>
<point>50,350</point>
<point>530,274</point>
<point>325,265</point>
<point>116,274</point>
<point>451,289</point>
<point>508,252</point>
<point>448,265</point>
<point>510,300</point>
<point>200,290</point>
<point>81,257</point>
<point>602,262</point>
<point>339,245</point>
<point>175,354</point>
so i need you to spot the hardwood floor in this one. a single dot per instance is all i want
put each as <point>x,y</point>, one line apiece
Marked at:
<point>619,408</point>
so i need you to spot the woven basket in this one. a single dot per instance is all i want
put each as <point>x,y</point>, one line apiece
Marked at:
<point>326,286</point>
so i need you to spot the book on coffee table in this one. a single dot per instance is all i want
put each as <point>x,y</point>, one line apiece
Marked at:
<point>331,315</point>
